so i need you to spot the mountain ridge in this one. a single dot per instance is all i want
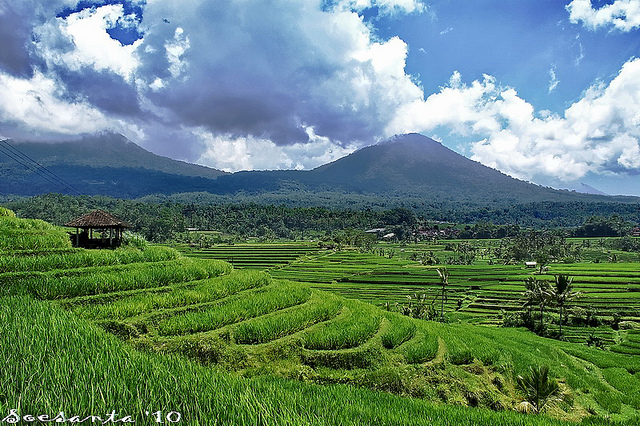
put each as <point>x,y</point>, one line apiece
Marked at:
<point>410,166</point>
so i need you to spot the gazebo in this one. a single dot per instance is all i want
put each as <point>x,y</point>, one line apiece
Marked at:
<point>108,227</point>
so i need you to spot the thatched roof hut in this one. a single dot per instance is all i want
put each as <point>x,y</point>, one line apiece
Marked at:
<point>109,227</point>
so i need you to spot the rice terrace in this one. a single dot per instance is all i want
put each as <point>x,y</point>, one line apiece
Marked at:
<point>320,212</point>
<point>314,333</point>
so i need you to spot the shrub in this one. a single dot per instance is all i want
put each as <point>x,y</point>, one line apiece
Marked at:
<point>6,212</point>
<point>132,239</point>
<point>539,391</point>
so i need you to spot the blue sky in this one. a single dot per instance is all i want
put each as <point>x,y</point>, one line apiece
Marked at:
<point>543,90</point>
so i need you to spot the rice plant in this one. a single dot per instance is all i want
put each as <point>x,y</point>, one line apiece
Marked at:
<point>51,361</point>
<point>17,239</point>
<point>85,281</point>
<point>236,308</point>
<point>204,291</point>
<point>401,329</point>
<point>320,307</point>
<point>356,324</point>
<point>421,348</point>
<point>48,261</point>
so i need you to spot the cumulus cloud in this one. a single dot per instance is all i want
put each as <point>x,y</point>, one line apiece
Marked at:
<point>599,133</point>
<point>231,153</point>
<point>249,85</point>
<point>385,6</point>
<point>236,70</point>
<point>34,105</point>
<point>269,71</point>
<point>81,40</point>
<point>623,15</point>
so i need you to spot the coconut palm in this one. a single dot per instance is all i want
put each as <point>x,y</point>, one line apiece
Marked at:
<point>562,292</point>
<point>538,389</point>
<point>444,282</point>
<point>537,294</point>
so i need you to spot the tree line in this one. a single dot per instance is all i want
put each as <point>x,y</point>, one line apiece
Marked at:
<point>160,221</point>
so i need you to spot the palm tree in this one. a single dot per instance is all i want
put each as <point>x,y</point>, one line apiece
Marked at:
<point>538,389</point>
<point>537,294</point>
<point>562,292</point>
<point>444,282</point>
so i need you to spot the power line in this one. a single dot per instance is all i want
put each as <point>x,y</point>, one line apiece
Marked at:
<point>28,162</point>
<point>25,165</point>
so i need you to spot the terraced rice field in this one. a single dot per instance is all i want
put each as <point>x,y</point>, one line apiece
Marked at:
<point>264,324</point>
<point>476,293</point>
<point>253,256</point>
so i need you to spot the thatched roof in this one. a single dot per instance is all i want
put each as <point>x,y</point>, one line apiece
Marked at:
<point>97,219</point>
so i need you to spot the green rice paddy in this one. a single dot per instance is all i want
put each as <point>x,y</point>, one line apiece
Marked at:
<point>221,346</point>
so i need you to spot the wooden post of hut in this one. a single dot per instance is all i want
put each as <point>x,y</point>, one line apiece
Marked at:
<point>98,220</point>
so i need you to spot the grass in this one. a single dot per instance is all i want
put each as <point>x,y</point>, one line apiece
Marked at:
<point>137,304</point>
<point>236,308</point>
<point>85,281</point>
<point>67,364</point>
<point>320,307</point>
<point>84,258</point>
<point>55,359</point>
<point>356,323</point>
<point>401,329</point>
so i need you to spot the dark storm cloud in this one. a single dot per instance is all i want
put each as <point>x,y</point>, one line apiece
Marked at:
<point>268,70</point>
<point>278,72</point>
<point>14,37</point>
<point>109,92</point>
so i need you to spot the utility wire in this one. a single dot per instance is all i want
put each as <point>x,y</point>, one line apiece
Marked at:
<point>25,165</point>
<point>28,162</point>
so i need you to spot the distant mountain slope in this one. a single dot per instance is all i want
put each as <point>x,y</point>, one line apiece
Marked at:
<point>406,169</point>
<point>108,150</point>
<point>106,164</point>
<point>415,164</point>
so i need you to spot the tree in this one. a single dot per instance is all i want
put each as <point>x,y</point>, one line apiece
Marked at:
<point>538,389</point>
<point>444,282</point>
<point>562,292</point>
<point>537,294</point>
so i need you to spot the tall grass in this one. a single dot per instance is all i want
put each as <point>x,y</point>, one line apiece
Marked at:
<point>80,282</point>
<point>51,361</point>
<point>237,308</point>
<point>401,329</point>
<point>14,223</point>
<point>205,291</point>
<point>85,258</point>
<point>12,239</point>
<point>421,348</point>
<point>321,307</point>
<point>356,324</point>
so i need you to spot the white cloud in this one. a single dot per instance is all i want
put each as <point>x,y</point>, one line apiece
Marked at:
<point>231,153</point>
<point>81,40</point>
<point>553,79</point>
<point>385,6</point>
<point>36,104</point>
<point>623,15</point>
<point>175,49</point>
<point>256,71</point>
<point>244,70</point>
<point>599,133</point>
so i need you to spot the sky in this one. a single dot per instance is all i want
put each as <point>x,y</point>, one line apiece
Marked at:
<point>543,90</point>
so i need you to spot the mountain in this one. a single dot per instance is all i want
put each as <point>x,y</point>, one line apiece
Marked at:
<point>415,164</point>
<point>104,164</point>
<point>587,189</point>
<point>405,169</point>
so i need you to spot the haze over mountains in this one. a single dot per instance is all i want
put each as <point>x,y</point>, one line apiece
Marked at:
<point>406,165</point>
